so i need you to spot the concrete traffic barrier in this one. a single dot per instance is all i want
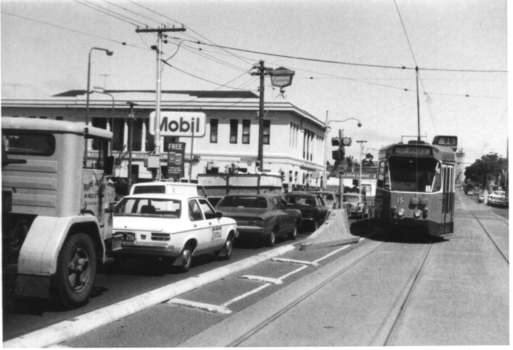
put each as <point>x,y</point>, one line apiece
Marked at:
<point>334,231</point>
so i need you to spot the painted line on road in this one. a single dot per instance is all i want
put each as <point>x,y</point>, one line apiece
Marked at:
<point>202,306</point>
<point>293,272</point>
<point>292,261</point>
<point>330,254</point>
<point>76,326</point>
<point>256,290</point>
<point>262,279</point>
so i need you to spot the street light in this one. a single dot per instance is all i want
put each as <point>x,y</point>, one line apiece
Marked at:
<point>109,53</point>
<point>327,125</point>
<point>99,90</point>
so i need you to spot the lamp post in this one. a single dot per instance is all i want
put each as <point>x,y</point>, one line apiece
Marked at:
<point>360,182</point>
<point>327,125</point>
<point>100,91</point>
<point>109,53</point>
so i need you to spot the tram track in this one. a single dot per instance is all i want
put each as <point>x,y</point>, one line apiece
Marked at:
<point>506,258</point>
<point>389,325</point>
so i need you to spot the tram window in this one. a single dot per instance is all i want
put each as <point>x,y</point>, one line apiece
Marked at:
<point>387,176</point>
<point>412,175</point>
<point>437,183</point>
<point>381,174</point>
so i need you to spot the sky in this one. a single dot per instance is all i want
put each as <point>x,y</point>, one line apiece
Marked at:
<point>347,56</point>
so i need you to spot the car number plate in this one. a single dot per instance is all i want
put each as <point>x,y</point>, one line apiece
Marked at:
<point>129,237</point>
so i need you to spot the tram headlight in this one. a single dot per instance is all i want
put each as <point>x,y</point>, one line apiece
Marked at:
<point>417,214</point>
<point>400,212</point>
<point>393,211</point>
<point>426,211</point>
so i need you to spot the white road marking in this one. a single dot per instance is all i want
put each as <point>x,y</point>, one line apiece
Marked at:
<point>300,262</point>
<point>256,290</point>
<point>202,306</point>
<point>330,254</point>
<point>293,272</point>
<point>262,279</point>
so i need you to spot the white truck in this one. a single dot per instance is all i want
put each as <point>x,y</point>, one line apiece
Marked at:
<point>56,212</point>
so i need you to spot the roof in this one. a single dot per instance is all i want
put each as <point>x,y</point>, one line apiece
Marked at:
<point>266,195</point>
<point>53,125</point>
<point>163,196</point>
<point>195,93</point>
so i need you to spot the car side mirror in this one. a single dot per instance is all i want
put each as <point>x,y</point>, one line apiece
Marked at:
<point>219,215</point>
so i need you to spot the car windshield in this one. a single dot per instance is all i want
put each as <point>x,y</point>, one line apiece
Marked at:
<point>301,200</point>
<point>169,208</point>
<point>351,198</point>
<point>243,202</point>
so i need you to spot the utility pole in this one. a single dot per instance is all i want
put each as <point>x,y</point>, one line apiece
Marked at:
<point>360,182</point>
<point>160,34</point>
<point>131,116</point>
<point>418,104</point>
<point>262,71</point>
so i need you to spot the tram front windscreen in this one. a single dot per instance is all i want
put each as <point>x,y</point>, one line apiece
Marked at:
<point>415,174</point>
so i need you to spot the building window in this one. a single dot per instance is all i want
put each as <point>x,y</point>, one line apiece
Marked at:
<point>137,132</point>
<point>149,140</point>
<point>59,118</point>
<point>98,123</point>
<point>267,132</point>
<point>118,132</point>
<point>234,123</point>
<point>213,130</point>
<point>245,131</point>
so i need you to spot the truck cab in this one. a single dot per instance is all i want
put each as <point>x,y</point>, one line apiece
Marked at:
<point>57,218</point>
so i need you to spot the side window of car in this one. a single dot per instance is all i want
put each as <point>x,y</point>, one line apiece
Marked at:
<point>194,211</point>
<point>208,211</point>
<point>282,204</point>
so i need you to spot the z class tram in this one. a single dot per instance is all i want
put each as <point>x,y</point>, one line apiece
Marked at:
<point>415,187</point>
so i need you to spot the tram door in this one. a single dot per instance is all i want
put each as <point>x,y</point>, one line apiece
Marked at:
<point>448,198</point>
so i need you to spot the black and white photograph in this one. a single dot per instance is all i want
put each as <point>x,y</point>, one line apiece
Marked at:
<point>255,173</point>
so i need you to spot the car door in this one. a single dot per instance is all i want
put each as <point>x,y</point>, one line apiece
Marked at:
<point>201,228</point>
<point>288,220</point>
<point>218,232</point>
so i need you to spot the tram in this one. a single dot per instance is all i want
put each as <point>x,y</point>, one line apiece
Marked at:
<point>415,187</point>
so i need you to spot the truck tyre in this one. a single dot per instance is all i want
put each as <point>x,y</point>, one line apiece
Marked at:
<point>76,271</point>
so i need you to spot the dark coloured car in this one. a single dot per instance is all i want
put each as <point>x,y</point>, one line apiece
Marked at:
<point>264,216</point>
<point>312,207</point>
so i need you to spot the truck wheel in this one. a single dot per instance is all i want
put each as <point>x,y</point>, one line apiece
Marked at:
<point>187,258</point>
<point>76,271</point>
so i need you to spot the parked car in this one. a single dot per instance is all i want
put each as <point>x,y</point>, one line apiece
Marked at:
<point>359,207</point>
<point>174,226</point>
<point>312,207</point>
<point>214,200</point>
<point>264,216</point>
<point>331,199</point>
<point>498,198</point>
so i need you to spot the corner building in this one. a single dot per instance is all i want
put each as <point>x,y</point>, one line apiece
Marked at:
<point>293,139</point>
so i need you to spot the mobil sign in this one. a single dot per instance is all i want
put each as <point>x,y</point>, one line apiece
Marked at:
<point>182,124</point>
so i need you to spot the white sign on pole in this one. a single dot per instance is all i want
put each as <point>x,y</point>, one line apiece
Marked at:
<point>179,124</point>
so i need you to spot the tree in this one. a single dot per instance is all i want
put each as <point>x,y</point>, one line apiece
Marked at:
<point>368,160</point>
<point>490,167</point>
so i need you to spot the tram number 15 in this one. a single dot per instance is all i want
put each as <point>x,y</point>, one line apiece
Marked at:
<point>400,200</point>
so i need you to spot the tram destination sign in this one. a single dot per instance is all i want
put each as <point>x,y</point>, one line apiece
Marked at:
<point>179,124</point>
<point>412,151</point>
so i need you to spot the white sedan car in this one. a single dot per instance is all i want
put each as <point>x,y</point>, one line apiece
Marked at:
<point>174,226</point>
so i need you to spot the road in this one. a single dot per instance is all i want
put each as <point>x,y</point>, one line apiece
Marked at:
<point>384,290</point>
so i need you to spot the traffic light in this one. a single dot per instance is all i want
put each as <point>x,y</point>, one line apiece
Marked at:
<point>338,154</point>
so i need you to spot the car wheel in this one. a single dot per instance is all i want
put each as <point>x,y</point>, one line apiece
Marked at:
<point>271,239</point>
<point>76,271</point>
<point>226,251</point>
<point>293,234</point>
<point>186,258</point>
<point>315,225</point>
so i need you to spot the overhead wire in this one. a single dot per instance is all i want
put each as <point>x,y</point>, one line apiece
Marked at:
<point>110,13</point>
<point>428,99</point>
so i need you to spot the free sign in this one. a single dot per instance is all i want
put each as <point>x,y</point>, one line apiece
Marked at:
<point>179,124</point>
